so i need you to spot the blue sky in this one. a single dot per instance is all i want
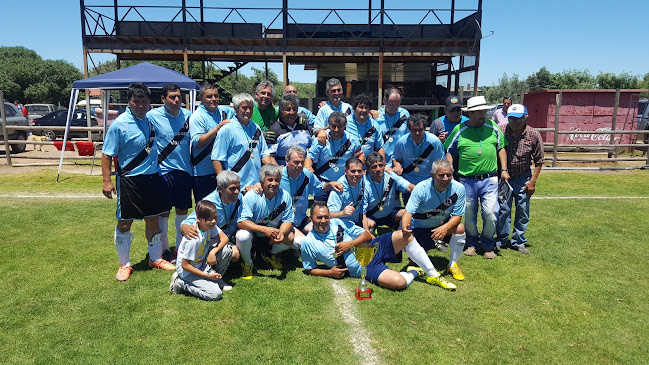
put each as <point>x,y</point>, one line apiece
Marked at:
<point>579,34</point>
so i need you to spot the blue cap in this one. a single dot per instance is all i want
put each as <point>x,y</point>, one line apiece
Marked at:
<point>516,111</point>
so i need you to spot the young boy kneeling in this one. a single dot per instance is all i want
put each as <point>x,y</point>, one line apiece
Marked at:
<point>202,260</point>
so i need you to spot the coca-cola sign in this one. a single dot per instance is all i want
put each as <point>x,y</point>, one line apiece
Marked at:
<point>603,138</point>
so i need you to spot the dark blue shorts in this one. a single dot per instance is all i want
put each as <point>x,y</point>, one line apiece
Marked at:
<point>422,235</point>
<point>203,186</point>
<point>388,220</point>
<point>178,187</point>
<point>385,253</point>
<point>140,196</point>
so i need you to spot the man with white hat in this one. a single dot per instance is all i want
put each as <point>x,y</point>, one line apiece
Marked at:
<point>524,146</point>
<point>478,144</point>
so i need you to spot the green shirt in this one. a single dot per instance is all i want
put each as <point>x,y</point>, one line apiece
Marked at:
<point>476,148</point>
<point>264,118</point>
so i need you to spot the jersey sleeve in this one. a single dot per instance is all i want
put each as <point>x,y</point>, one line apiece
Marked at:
<point>320,121</point>
<point>289,215</point>
<point>334,203</point>
<point>415,199</point>
<point>111,141</point>
<point>318,185</point>
<point>458,208</point>
<point>402,183</point>
<point>221,144</point>
<point>314,151</point>
<point>309,261</point>
<point>437,127</point>
<point>247,207</point>
<point>191,219</point>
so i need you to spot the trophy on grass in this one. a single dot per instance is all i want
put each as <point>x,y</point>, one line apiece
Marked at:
<point>364,253</point>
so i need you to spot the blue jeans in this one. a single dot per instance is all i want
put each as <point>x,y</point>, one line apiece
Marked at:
<point>487,192</point>
<point>521,217</point>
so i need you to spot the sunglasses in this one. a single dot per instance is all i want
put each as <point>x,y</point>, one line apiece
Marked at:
<point>454,110</point>
<point>444,175</point>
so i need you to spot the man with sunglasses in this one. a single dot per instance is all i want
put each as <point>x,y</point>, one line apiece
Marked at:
<point>443,125</point>
<point>524,146</point>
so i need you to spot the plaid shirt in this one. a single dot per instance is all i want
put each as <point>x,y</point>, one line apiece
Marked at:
<point>522,149</point>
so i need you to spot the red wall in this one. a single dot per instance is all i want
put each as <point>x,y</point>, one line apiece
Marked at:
<point>583,110</point>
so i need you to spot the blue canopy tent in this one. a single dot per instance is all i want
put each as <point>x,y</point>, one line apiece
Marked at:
<point>151,75</point>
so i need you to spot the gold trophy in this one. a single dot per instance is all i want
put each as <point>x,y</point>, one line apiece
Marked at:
<point>364,253</point>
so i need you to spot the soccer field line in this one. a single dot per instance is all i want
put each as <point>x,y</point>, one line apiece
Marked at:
<point>358,336</point>
<point>99,196</point>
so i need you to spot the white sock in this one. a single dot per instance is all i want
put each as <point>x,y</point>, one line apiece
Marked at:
<point>277,248</point>
<point>155,248</point>
<point>419,256</point>
<point>123,246</point>
<point>179,219</point>
<point>409,276</point>
<point>456,246</point>
<point>298,241</point>
<point>244,243</point>
<point>163,223</point>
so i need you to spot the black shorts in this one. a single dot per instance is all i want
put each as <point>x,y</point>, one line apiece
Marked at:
<point>178,187</point>
<point>261,245</point>
<point>422,235</point>
<point>140,196</point>
<point>388,220</point>
<point>303,224</point>
<point>203,186</point>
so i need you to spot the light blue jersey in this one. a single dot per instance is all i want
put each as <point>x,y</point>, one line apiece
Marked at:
<point>307,114</point>
<point>383,194</point>
<point>232,149</point>
<point>201,122</point>
<point>448,126</point>
<point>271,213</point>
<point>351,194</point>
<point>299,189</point>
<point>320,247</point>
<point>171,132</point>
<point>126,137</point>
<point>322,119</point>
<point>417,159</point>
<point>394,127</point>
<point>328,162</point>
<point>368,134</point>
<point>296,138</point>
<point>430,208</point>
<point>227,214</point>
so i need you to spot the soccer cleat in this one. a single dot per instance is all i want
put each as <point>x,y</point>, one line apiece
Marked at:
<point>440,246</point>
<point>441,282</point>
<point>167,255</point>
<point>162,264</point>
<point>273,261</point>
<point>124,273</point>
<point>523,250</point>
<point>489,255</point>
<point>246,270</point>
<point>174,287</point>
<point>418,269</point>
<point>455,271</point>
<point>470,251</point>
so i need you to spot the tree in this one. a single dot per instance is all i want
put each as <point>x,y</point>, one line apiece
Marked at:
<point>507,86</point>
<point>574,79</point>
<point>607,80</point>
<point>25,76</point>
<point>541,80</point>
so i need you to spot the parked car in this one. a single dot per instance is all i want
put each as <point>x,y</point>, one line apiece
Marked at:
<point>642,121</point>
<point>15,118</point>
<point>490,112</point>
<point>58,118</point>
<point>38,110</point>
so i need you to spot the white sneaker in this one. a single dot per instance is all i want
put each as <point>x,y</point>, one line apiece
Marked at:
<point>224,286</point>
<point>174,286</point>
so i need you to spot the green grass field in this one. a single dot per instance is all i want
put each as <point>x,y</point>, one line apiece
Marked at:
<point>581,297</point>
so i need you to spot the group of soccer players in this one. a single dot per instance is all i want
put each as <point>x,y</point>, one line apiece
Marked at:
<point>253,167</point>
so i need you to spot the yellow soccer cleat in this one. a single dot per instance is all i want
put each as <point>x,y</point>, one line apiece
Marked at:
<point>441,282</point>
<point>273,261</point>
<point>419,270</point>
<point>246,270</point>
<point>455,271</point>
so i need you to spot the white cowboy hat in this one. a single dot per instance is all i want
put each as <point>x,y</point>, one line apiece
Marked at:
<point>476,103</point>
